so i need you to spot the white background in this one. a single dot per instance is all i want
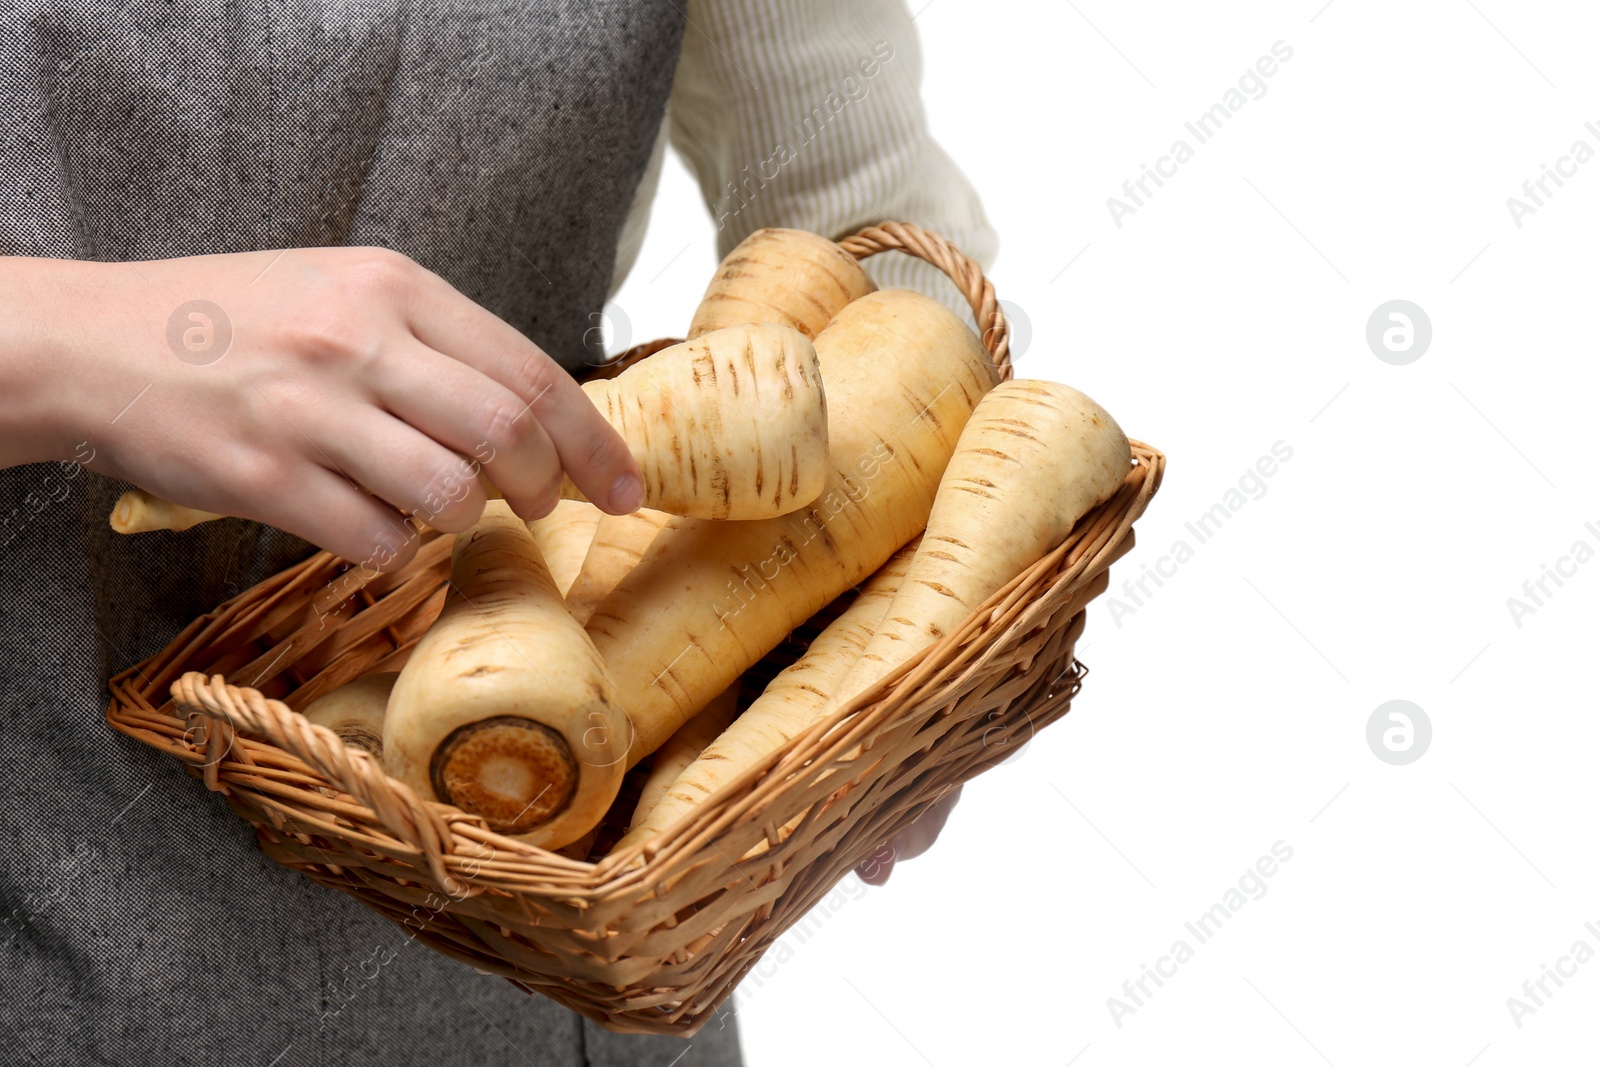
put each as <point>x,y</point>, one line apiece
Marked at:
<point>1229,711</point>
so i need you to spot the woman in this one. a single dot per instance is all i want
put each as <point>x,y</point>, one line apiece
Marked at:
<point>257,256</point>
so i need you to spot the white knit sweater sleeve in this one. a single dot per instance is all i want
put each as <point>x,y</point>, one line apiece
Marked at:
<point>808,114</point>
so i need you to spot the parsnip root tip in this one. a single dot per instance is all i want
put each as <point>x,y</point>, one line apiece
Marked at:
<point>122,515</point>
<point>137,511</point>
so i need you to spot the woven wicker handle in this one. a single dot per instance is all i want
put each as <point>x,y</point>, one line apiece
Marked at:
<point>962,269</point>
<point>355,771</point>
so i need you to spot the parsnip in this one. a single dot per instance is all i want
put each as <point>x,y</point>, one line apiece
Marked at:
<point>619,542</point>
<point>355,710</point>
<point>791,277</point>
<point>730,425</point>
<point>790,703</point>
<point>137,511</point>
<point>902,375</point>
<point>505,709</point>
<point>1034,458</point>
<point>683,748</point>
<point>564,537</point>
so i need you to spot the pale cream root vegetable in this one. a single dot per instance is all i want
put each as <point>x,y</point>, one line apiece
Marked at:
<point>730,425</point>
<point>505,709</point>
<point>137,511</point>
<point>619,542</point>
<point>709,599</point>
<point>791,277</point>
<point>1034,458</point>
<point>355,710</point>
<point>564,537</point>
<point>683,748</point>
<point>790,703</point>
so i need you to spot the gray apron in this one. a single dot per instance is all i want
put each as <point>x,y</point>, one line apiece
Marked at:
<point>497,142</point>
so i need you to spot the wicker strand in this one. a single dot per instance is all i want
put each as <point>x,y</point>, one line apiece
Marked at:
<point>355,771</point>
<point>961,268</point>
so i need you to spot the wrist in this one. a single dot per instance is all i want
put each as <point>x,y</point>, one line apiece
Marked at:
<point>46,306</point>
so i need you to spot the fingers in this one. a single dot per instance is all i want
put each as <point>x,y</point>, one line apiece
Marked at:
<point>406,468</point>
<point>876,868</point>
<point>472,416</point>
<point>910,842</point>
<point>327,510</point>
<point>590,451</point>
<point>917,838</point>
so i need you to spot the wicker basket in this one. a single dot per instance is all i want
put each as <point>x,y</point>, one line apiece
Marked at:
<point>642,948</point>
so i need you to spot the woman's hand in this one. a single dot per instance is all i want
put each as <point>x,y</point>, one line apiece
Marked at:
<point>909,843</point>
<point>275,385</point>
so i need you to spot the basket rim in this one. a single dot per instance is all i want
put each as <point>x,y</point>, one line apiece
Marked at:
<point>949,663</point>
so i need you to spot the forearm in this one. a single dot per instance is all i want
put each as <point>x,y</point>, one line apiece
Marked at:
<point>44,303</point>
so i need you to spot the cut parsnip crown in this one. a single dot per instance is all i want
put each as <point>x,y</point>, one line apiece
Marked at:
<point>505,709</point>
<point>903,374</point>
<point>1034,458</point>
<point>791,277</point>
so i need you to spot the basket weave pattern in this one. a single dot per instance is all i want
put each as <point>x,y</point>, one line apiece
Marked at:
<point>643,947</point>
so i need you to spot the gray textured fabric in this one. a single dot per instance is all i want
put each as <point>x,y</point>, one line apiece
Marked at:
<point>498,142</point>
